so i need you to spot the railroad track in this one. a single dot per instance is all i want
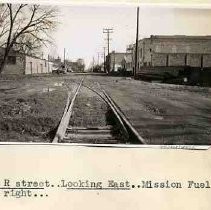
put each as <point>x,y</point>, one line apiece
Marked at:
<point>117,130</point>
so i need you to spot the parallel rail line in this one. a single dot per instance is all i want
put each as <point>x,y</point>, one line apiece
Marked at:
<point>101,134</point>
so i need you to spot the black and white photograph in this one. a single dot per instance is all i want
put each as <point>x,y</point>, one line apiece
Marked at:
<point>105,74</point>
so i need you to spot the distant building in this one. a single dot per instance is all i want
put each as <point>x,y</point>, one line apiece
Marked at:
<point>71,66</point>
<point>114,60</point>
<point>130,49</point>
<point>75,66</point>
<point>127,64</point>
<point>57,61</point>
<point>173,51</point>
<point>19,63</point>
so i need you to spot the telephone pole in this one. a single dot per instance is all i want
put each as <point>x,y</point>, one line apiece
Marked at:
<point>93,63</point>
<point>98,58</point>
<point>64,56</point>
<point>48,62</point>
<point>114,62</point>
<point>108,31</point>
<point>136,51</point>
<point>104,59</point>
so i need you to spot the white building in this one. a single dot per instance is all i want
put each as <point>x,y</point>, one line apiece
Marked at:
<point>19,63</point>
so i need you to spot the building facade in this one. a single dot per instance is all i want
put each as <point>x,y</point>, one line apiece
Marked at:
<point>158,52</point>
<point>75,66</point>
<point>127,63</point>
<point>117,60</point>
<point>34,65</point>
<point>19,63</point>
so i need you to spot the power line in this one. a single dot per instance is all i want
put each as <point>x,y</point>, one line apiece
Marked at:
<point>108,31</point>
<point>136,51</point>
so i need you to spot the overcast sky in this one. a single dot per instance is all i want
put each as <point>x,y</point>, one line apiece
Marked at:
<point>81,27</point>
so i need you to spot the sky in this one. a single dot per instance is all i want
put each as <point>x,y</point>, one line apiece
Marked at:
<point>80,30</point>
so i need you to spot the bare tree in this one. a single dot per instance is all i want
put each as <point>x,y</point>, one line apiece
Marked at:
<point>4,22</point>
<point>25,28</point>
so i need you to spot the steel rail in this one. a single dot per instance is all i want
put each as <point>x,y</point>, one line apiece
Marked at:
<point>125,126</point>
<point>66,116</point>
<point>123,129</point>
<point>129,125</point>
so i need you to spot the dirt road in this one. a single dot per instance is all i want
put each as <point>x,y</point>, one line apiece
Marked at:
<point>163,113</point>
<point>31,107</point>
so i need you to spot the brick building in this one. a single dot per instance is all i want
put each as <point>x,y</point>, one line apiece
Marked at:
<point>115,60</point>
<point>173,52</point>
<point>127,62</point>
<point>19,63</point>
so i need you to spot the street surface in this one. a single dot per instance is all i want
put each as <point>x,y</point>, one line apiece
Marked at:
<point>163,113</point>
<point>31,108</point>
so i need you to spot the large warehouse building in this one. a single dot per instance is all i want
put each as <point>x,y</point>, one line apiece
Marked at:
<point>173,53</point>
<point>118,61</point>
<point>19,63</point>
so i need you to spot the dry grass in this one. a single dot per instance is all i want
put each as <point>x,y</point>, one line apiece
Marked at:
<point>29,116</point>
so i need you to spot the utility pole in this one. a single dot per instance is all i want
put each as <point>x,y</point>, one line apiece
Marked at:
<point>108,31</point>
<point>98,58</point>
<point>93,63</point>
<point>64,56</point>
<point>104,59</point>
<point>48,63</point>
<point>114,62</point>
<point>136,51</point>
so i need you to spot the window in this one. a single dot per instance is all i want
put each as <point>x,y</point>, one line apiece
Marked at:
<point>186,59</point>
<point>41,67</point>
<point>11,60</point>
<point>30,63</point>
<point>141,52</point>
<point>167,60</point>
<point>202,61</point>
